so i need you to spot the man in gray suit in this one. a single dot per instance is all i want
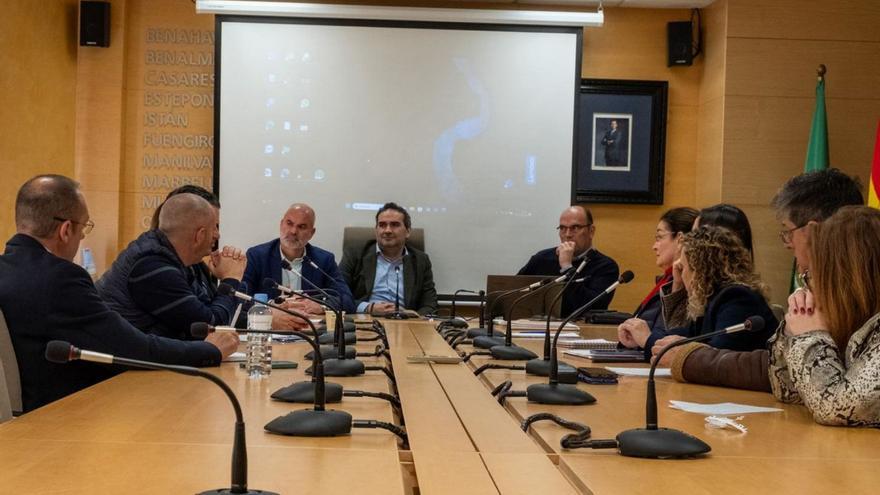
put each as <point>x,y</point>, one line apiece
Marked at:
<point>375,271</point>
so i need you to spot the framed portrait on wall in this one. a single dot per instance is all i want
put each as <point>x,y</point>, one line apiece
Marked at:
<point>621,141</point>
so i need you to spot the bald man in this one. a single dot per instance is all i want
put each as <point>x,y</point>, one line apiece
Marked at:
<point>311,266</point>
<point>576,230</point>
<point>151,284</point>
<point>45,296</point>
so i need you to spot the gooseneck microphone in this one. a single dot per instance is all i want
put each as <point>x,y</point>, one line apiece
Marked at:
<point>509,351</point>
<point>397,314</point>
<point>488,339</point>
<point>558,393</point>
<point>58,351</point>
<point>660,443</point>
<point>331,367</point>
<point>541,366</point>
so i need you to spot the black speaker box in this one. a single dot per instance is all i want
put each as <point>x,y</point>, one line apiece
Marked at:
<point>94,24</point>
<point>679,38</point>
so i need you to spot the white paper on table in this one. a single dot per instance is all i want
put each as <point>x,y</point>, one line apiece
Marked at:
<point>640,371</point>
<point>535,334</point>
<point>236,357</point>
<point>724,408</point>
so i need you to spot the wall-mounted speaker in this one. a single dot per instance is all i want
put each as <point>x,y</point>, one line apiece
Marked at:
<point>94,24</point>
<point>680,41</point>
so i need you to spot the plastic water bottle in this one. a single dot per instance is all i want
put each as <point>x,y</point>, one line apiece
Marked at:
<point>259,345</point>
<point>88,262</point>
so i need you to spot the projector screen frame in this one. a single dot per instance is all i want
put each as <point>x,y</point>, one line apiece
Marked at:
<point>578,32</point>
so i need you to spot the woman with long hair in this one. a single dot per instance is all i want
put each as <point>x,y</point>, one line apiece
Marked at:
<point>722,290</point>
<point>828,356</point>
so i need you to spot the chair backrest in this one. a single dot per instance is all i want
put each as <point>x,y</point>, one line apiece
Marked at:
<point>355,238</point>
<point>9,369</point>
<point>536,304</point>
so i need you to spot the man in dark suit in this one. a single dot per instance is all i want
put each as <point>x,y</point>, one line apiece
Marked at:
<point>311,266</point>
<point>374,272</point>
<point>576,230</point>
<point>45,296</point>
<point>151,283</point>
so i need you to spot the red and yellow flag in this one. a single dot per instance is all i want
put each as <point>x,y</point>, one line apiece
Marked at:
<point>874,184</point>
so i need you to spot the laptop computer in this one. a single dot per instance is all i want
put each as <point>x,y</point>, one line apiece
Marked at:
<point>535,303</point>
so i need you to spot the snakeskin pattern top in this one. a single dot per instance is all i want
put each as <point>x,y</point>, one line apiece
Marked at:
<point>839,390</point>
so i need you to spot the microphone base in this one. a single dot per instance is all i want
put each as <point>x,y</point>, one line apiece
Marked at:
<point>347,327</point>
<point>304,392</point>
<point>477,332</point>
<point>486,342</point>
<point>330,352</point>
<point>330,338</point>
<point>558,394</point>
<point>311,423</point>
<point>541,367</point>
<point>512,353</point>
<point>662,443</point>
<point>224,491</point>
<point>397,316</point>
<point>342,367</point>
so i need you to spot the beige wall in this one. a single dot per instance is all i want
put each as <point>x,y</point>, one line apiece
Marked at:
<point>773,50</point>
<point>37,95</point>
<point>632,45</point>
<point>737,122</point>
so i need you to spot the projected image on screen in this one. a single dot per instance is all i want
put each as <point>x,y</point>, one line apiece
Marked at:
<point>471,130</point>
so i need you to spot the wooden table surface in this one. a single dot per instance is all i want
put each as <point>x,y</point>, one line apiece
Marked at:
<point>783,452</point>
<point>154,431</point>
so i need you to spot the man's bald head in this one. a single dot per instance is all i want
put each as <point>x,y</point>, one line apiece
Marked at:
<point>296,229</point>
<point>185,213</point>
<point>44,199</point>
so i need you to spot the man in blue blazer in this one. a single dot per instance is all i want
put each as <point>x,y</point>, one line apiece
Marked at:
<point>311,266</point>
<point>45,296</point>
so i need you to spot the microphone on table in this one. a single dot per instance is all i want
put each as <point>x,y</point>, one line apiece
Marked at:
<point>303,392</point>
<point>659,443</point>
<point>330,367</point>
<point>344,364</point>
<point>455,295</point>
<point>486,339</point>
<point>58,351</point>
<point>513,352</point>
<point>554,392</point>
<point>324,337</point>
<point>397,314</point>
<point>541,366</point>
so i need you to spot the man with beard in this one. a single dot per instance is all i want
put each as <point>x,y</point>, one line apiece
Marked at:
<point>375,272</point>
<point>310,266</point>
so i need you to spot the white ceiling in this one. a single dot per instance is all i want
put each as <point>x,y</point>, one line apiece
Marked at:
<point>650,4</point>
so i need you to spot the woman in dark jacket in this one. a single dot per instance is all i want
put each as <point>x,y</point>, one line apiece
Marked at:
<point>673,225</point>
<point>722,290</point>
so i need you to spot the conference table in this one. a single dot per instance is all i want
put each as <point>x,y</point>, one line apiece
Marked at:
<point>146,432</point>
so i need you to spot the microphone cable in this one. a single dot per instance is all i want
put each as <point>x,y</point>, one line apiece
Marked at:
<point>579,439</point>
<point>466,356</point>
<point>494,366</point>
<point>371,423</point>
<point>502,391</point>
<point>376,395</point>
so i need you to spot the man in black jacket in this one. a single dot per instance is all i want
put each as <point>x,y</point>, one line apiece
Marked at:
<point>576,230</point>
<point>151,284</point>
<point>45,296</point>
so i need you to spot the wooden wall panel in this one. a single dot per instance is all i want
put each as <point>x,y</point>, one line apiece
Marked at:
<point>710,120</point>
<point>632,45</point>
<point>99,115</point>
<point>37,96</point>
<point>773,50</point>
<point>805,19</point>
<point>771,67</point>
